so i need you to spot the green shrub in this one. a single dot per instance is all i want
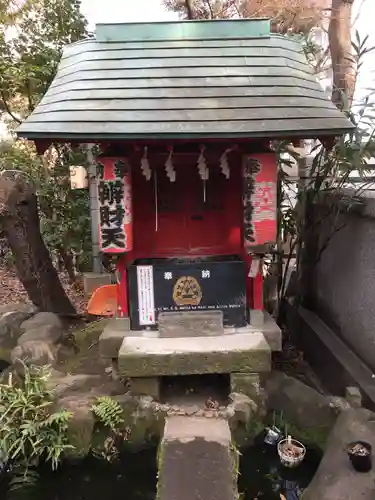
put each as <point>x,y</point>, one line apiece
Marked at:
<point>31,429</point>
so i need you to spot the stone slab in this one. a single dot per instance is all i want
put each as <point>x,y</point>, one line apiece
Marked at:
<point>190,324</point>
<point>335,478</point>
<point>264,323</point>
<point>111,339</point>
<point>197,460</point>
<point>149,357</point>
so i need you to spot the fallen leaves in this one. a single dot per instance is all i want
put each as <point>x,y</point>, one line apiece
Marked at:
<point>12,290</point>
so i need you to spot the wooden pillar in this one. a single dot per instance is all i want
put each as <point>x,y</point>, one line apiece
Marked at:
<point>259,220</point>
<point>122,287</point>
<point>257,282</point>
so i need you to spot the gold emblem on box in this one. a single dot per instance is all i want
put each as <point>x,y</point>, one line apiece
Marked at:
<point>187,291</point>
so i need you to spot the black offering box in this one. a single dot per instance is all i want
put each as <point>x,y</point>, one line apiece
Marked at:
<point>187,284</point>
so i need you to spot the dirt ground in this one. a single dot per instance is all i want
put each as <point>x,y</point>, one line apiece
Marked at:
<point>86,333</point>
<point>12,290</point>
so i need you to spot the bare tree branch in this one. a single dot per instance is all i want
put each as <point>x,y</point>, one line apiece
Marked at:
<point>189,9</point>
<point>208,3</point>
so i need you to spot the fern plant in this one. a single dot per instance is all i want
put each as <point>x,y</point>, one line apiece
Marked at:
<point>109,413</point>
<point>30,429</point>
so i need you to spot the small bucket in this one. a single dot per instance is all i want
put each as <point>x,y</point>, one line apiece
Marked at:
<point>291,452</point>
<point>272,436</point>
<point>359,453</point>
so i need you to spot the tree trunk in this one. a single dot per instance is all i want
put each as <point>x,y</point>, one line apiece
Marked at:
<point>189,9</point>
<point>341,52</point>
<point>20,222</point>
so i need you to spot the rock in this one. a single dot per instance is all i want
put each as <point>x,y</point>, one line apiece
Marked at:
<point>77,394</point>
<point>335,478</point>
<point>244,407</point>
<point>301,405</point>
<point>338,404</point>
<point>42,319</point>
<point>91,386</point>
<point>145,402</point>
<point>11,318</point>
<point>81,425</point>
<point>47,333</point>
<point>32,353</point>
<point>353,396</point>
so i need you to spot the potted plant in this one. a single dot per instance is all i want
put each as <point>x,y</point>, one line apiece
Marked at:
<point>359,453</point>
<point>291,452</point>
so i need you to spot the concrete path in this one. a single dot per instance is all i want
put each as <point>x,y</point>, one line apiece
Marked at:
<point>197,460</point>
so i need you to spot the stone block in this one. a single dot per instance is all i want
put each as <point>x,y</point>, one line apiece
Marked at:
<point>146,386</point>
<point>270,329</point>
<point>149,357</point>
<point>190,324</point>
<point>93,281</point>
<point>197,460</point>
<point>112,337</point>
<point>261,321</point>
<point>257,318</point>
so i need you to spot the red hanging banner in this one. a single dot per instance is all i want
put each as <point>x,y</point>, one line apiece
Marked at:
<point>115,205</point>
<point>260,199</point>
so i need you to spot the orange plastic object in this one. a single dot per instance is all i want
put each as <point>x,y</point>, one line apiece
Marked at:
<point>103,301</point>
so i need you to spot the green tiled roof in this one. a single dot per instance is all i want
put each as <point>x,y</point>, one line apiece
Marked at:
<point>189,79</point>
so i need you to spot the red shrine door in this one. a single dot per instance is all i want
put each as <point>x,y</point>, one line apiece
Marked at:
<point>193,217</point>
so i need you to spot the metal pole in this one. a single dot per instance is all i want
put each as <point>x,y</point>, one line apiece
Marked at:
<point>94,210</point>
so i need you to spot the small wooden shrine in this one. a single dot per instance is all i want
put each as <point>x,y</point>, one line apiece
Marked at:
<point>184,114</point>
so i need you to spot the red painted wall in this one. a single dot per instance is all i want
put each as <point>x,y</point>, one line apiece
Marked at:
<point>184,218</point>
<point>184,223</point>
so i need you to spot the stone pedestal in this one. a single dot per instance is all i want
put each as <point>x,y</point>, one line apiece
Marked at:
<point>156,357</point>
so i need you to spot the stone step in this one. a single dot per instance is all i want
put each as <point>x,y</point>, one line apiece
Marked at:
<point>153,357</point>
<point>190,323</point>
<point>197,460</point>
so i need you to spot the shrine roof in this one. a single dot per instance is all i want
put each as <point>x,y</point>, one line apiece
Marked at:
<point>188,79</point>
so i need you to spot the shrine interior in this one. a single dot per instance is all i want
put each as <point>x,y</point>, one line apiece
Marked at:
<point>187,209</point>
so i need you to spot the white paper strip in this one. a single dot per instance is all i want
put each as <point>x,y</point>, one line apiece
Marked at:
<point>146,299</point>
<point>254,268</point>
